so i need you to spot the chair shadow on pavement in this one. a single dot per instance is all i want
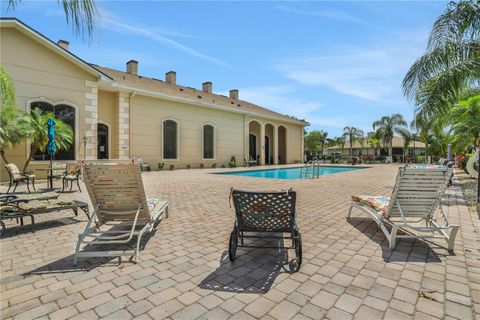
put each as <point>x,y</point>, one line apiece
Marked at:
<point>14,230</point>
<point>253,271</point>
<point>406,250</point>
<point>65,265</point>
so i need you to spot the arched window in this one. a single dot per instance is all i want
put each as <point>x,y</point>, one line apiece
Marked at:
<point>208,142</point>
<point>170,140</point>
<point>65,113</point>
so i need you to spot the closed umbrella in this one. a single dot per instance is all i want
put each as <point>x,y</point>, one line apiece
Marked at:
<point>51,147</point>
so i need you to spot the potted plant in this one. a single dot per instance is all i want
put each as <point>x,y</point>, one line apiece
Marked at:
<point>161,165</point>
<point>172,167</point>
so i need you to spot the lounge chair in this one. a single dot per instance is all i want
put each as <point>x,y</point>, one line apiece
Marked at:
<point>416,197</point>
<point>17,177</point>
<point>264,215</point>
<point>28,205</point>
<point>121,210</point>
<point>250,163</point>
<point>471,164</point>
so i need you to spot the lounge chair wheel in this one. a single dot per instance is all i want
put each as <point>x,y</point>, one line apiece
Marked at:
<point>2,228</point>
<point>298,247</point>
<point>233,243</point>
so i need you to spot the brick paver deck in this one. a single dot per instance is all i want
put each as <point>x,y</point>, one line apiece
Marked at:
<point>184,272</point>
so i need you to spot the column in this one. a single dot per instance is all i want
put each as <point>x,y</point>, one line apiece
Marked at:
<point>275,145</point>
<point>262,144</point>
<point>246,140</point>
<point>122,119</point>
<point>89,151</point>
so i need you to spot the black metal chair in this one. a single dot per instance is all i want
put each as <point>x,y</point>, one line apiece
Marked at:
<point>264,215</point>
<point>72,175</point>
<point>17,177</point>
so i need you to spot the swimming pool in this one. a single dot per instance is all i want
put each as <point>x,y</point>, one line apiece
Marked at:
<point>287,173</point>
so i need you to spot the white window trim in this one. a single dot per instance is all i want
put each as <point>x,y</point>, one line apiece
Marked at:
<point>77,126</point>
<point>109,138</point>
<point>178,138</point>
<point>214,142</point>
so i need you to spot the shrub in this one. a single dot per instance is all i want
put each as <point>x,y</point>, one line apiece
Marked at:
<point>214,165</point>
<point>201,166</point>
<point>189,166</point>
<point>232,164</point>
<point>223,165</point>
<point>420,159</point>
<point>172,167</point>
<point>161,165</point>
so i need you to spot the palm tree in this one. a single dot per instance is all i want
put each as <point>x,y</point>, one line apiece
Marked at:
<point>451,62</point>
<point>422,126</point>
<point>386,128</point>
<point>38,135</point>
<point>81,13</point>
<point>352,134</point>
<point>323,139</point>
<point>464,119</point>
<point>374,143</point>
<point>407,138</point>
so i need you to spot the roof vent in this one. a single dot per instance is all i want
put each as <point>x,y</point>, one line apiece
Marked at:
<point>207,87</point>
<point>64,44</point>
<point>234,94</point>
<point>171,77</point>
<point>132,67</point>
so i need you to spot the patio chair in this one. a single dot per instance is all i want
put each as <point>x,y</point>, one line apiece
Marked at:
<point>121,210</point>
<point>416,197</point>
<point>58,170</point>
<point>17,177</point>
<point>72,175</point>
<point>265,215</point>
<point>28,205</point>
<point>250,163</point>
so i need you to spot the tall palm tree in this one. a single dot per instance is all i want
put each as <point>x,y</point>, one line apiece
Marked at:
<point>352,134</point>
<point>39,137</point>
<point>451,62</point>
<point>82,14</point>
<point>407,138</point>
<point>386,128</point>
<point>464,119</point>
<point>323,139</point>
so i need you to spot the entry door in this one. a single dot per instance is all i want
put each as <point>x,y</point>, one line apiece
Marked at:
<point>253,147</point>
<point>102,132</point>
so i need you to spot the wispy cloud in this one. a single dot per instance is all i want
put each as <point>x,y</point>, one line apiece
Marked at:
<point>326,13</point>
<point>373,72</point>
<point>281,99</point>
<point>156,36</point>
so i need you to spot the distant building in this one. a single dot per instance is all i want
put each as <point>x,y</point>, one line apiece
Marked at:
<point>416,148</point>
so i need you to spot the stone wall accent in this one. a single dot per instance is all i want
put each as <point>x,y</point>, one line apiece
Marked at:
<point>122,118</point>
<point>91,120</point>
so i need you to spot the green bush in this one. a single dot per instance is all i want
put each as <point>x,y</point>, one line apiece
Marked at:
<point>161,165</point>
<point>172,167</point>
<point>420,159</point>
<point>189,166</point>
<point>232,164</point>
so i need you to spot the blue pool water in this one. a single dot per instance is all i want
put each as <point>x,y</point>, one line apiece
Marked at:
<point>287,173</point>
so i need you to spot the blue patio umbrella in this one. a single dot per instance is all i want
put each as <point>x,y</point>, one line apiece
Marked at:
<point>51,147</point>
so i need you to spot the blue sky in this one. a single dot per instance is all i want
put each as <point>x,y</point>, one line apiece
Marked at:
<point>332,63</point>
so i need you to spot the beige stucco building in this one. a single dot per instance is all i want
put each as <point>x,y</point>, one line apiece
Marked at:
<point>120,114</point>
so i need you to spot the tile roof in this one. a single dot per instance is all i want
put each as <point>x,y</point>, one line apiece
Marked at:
<point>158,86</point>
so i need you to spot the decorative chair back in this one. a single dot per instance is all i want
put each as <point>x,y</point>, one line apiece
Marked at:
<point>74,169</point>
<point>265,211</point>
<point>13,171</point>
<point>418,191</point>
<point>58,168</point>
<point>116,187</point>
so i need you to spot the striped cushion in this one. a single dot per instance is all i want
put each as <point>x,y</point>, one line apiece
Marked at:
<point>152,203</point>
<point>379,203</point>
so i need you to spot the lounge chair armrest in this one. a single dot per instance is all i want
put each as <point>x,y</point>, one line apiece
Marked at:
<point>7,199</point>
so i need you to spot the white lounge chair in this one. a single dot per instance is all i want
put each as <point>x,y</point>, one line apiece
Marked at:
<point>250,163</point>
<point>121,210</point>
<point>471,164</point>
<point>416,197</point>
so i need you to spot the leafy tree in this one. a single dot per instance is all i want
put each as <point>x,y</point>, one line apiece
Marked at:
<point>464,119</point>
<point>82,14</point>
<point>352,134</point>
<point>14,126</point>
<point>39,137</point>
<point>312,140</point>
<point>323,139</point>
<point>407,139</point>
<point>374,143</point>
<point>451,62</point>
<point>386,128</point>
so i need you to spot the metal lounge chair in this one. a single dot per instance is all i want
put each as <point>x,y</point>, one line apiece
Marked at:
<point>250,163</point>
<point>28,205</point>
<point>416,197</point>
<point>121,210</point>
<point>264,215</point>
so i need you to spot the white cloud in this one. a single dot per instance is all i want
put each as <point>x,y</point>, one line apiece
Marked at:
<point>281,99</point>
<point>373,72</point>
<point>326,13</point>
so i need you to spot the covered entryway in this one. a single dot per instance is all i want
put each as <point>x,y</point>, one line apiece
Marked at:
<point>103,145</point>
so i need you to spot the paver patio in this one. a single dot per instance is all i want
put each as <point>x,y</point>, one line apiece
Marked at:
<point>184,272</point>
